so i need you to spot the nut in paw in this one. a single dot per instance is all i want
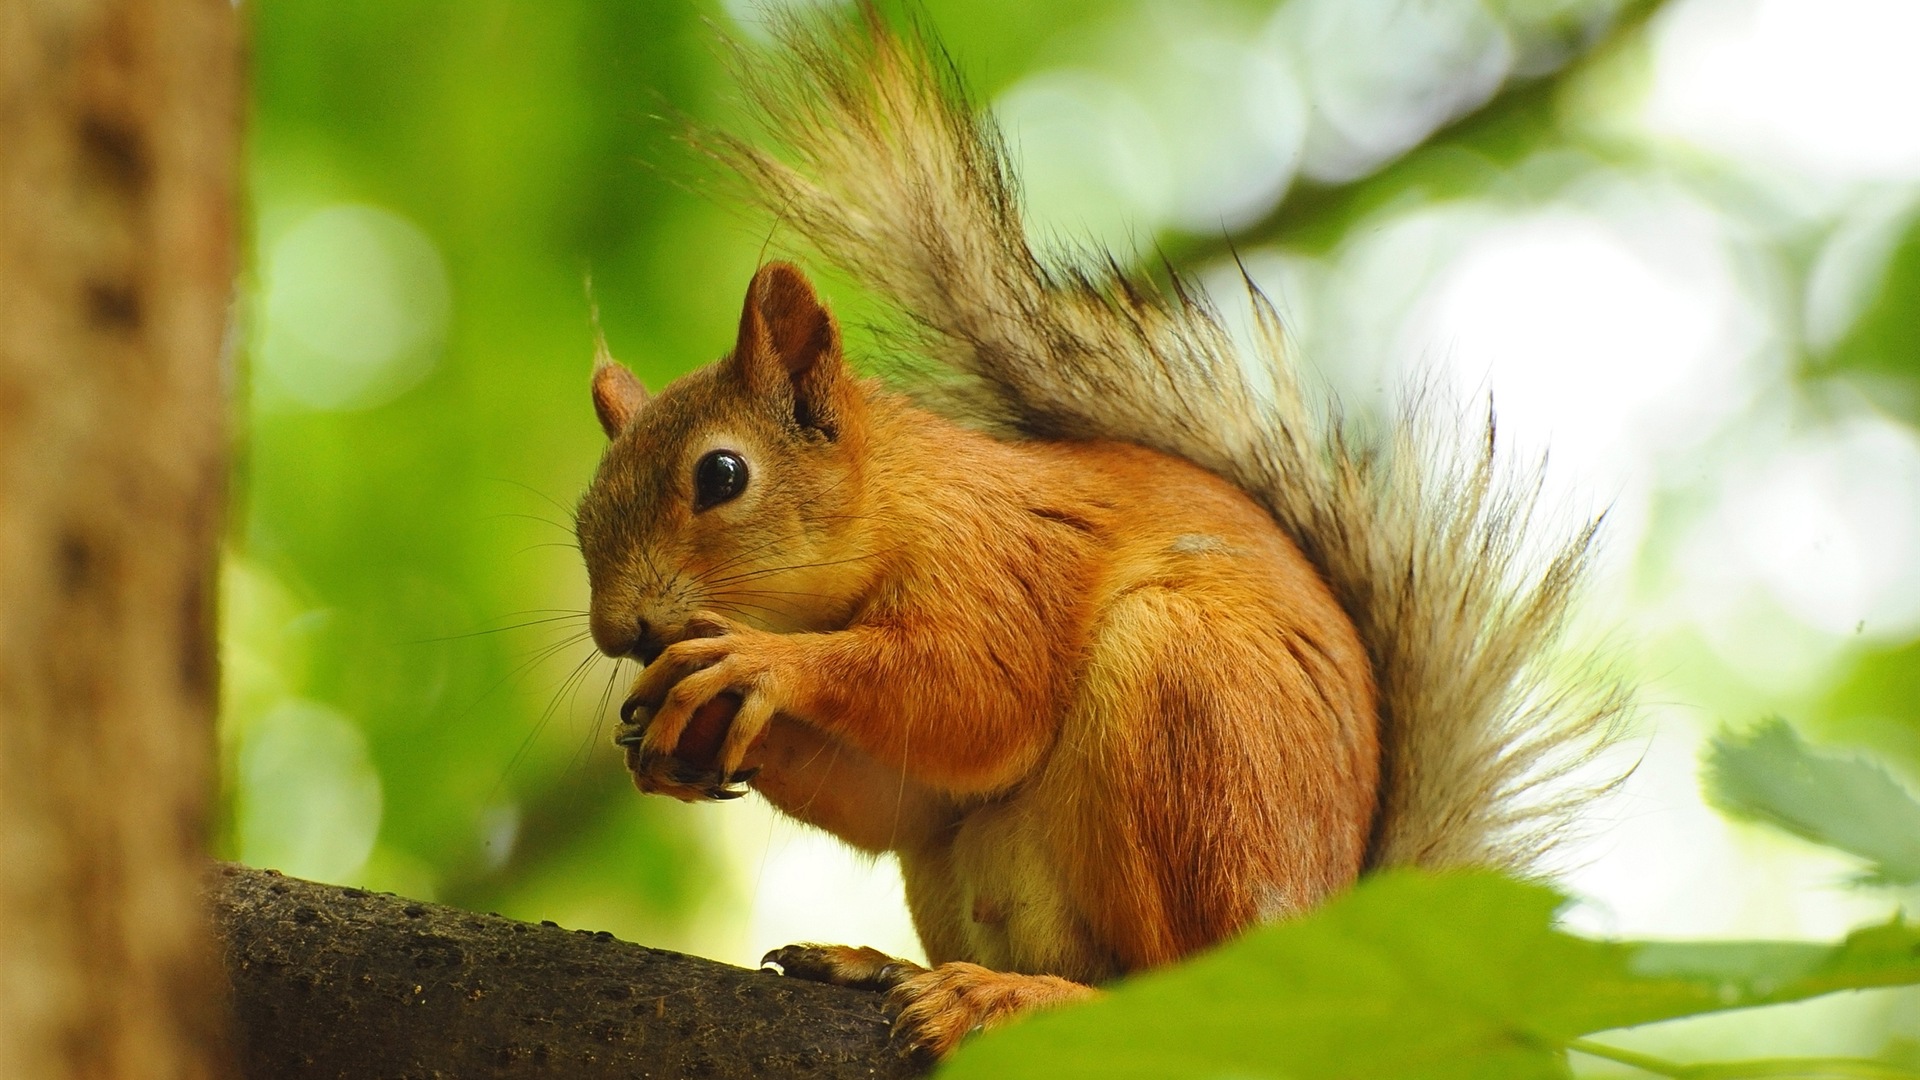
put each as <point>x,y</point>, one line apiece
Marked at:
<point>689,773</point>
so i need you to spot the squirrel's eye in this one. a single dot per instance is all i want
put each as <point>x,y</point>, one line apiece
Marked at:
<point>720,476</point>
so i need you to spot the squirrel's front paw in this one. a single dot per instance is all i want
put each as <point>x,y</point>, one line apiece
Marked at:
<point>666,774</point>
<point>710,696</point>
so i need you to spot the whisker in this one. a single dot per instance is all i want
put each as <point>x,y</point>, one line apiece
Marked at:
<point>747,604</point>
<point>572,681</point>
<point>772,606</point>
<point>768,571</point>
<point>584,751</point>
<point>739,557</point>
<point>504,629</point>
<point>826,774</point>
<point>546,714</point>
<point>551,501</point>
<point>742,556</point>
<point>606,699</point>
<point>514,515</point>
<point>724,606</point>
<point>900,795</point>
<point>522,668</point>
<point>790,597</point>
<point>656,579</point>
<point>583,756</point>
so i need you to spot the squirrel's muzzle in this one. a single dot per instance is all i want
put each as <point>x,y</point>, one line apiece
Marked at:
<point>629,636</point>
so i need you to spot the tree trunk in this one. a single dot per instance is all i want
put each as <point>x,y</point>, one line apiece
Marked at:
<point>118,140</point>
<point>338,984</point>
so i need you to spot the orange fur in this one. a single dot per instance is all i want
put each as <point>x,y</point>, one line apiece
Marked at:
<point>1102,707</point>
<point>1096,698</point>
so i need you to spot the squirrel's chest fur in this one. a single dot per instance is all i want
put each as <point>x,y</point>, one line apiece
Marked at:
<point>1190,739</point>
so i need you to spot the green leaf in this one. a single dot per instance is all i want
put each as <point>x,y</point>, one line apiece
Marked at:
<point>1883,343</point>
<point>1665,980</point>
<point>1417,976</point>
<point>1770,775</point>
<point>1808,1068</point>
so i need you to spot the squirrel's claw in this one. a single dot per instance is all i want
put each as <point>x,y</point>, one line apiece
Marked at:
<point>842,965</point>
<point>735,785</point>
<point>629,709</point>
<point>660,774</point>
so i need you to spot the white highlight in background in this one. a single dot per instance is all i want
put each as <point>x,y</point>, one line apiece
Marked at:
<point>1807,549</point>
<point>357,304</point>
<point>1383,74</point>
<point>804,885</point>
<point>308,799</point>
<point>1590,345</point>
<point>1828,87</point>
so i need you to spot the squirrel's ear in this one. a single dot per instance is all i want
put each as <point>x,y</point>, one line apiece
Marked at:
<point>617,393</point>
<point>790,346</point>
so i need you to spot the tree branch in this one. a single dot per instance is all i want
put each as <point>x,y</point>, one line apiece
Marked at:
<point>335,983</point>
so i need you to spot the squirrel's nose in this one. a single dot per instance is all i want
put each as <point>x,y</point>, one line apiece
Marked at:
<point>631,636</point>
<point>647,644</point>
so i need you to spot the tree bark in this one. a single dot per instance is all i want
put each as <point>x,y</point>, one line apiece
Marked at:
<point>340,983</point>
<point>118,141</point>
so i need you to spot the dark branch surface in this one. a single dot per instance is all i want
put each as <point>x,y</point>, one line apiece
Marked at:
<point>333,982</point>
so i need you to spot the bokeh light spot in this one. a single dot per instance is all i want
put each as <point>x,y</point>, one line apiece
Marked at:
<point>309,800</point>
<point>357,302</point>
<point>1825,86</point>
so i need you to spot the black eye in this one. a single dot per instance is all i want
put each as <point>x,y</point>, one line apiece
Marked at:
<point>720,476</point>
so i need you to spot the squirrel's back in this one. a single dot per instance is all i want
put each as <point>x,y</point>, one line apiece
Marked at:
<point>1207,753</point>
<point>1428,543</point>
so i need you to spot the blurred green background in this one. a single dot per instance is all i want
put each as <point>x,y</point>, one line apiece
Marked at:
<point>1679,242</point>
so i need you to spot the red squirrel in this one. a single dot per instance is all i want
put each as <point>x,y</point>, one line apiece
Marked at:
<point>1162,653</point>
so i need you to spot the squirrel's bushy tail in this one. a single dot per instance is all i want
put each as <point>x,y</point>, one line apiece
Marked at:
<point>881,162</point>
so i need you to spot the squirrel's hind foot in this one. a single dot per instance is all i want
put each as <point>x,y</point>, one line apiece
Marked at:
<point>842,965</point>
<point>936,1009</point>
<point>933,1008</point>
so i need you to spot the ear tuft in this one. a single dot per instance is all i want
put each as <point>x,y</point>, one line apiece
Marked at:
<point>617,393</point>
<point>790,345</point>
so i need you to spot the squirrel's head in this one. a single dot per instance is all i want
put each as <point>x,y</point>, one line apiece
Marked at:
<point>737,489</point>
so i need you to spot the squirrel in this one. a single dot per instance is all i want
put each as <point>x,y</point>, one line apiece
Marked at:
<point>1125,644</point>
